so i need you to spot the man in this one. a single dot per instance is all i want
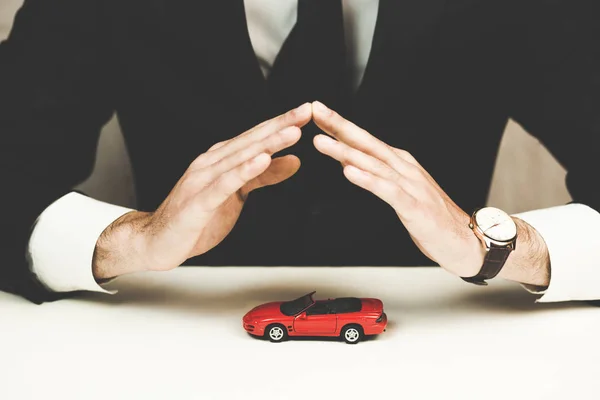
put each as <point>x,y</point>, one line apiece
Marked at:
<point>410,97</point>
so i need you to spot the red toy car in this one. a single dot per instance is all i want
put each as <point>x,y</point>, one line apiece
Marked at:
<point>349,318</point>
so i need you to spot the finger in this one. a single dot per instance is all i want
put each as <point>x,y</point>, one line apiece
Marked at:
<point>345,131</point>
<point>406,156</point>
<point>217,146</point>
<point>230,182</point>
<point>281,169</point>
<point>271,145</point>
<point>297,117</point>
<point>382,188</point>
<point>350,156</point>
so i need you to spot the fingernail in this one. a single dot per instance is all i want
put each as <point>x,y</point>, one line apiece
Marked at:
<point>259,158</point>
<point>354,171</point>
<point>320,107</point>
<point>289,130</point>
<point>302,107</point>
<point>326,140</point>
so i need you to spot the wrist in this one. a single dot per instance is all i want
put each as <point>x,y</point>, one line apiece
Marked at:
<point>120,249</point>
<point>471,251</point>
<point>530,262</point>
<point>477,253</point>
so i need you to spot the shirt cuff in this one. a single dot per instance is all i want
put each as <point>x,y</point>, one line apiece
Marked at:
<point>62,244</point>
<point>572,241</point>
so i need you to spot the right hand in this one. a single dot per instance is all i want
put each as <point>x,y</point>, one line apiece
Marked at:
<point>206,202</point>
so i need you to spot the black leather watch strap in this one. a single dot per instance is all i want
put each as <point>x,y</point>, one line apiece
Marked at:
<point>492,265</point>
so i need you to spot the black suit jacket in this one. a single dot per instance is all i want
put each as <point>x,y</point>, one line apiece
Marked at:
<point>442,81</point>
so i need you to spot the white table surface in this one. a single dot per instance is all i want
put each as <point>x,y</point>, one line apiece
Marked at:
<point>178,335</point>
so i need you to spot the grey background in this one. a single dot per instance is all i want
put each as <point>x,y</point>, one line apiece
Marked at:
<point>527,177</point>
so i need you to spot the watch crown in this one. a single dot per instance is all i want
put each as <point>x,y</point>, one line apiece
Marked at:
<point>471,226</point>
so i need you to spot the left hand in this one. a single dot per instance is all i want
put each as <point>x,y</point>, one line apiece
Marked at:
<point>436,224</point>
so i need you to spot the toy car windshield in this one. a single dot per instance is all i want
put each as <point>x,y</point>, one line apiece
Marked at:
<point>294,307</point>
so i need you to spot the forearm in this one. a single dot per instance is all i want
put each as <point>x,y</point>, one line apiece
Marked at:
<point>569,233</point>
<point>120,248</point>
<point>529,263</point>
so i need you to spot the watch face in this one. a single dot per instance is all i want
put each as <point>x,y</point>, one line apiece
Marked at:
<point>496,224</point>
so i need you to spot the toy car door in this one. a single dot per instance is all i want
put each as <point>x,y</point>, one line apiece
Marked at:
<point>317,320</point>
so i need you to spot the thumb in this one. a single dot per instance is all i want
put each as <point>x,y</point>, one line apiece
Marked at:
<point>280,169</point>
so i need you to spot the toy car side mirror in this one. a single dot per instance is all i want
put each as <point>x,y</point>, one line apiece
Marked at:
<point>302,315</point>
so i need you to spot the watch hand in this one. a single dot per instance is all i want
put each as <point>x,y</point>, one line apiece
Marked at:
<point>491,227</point>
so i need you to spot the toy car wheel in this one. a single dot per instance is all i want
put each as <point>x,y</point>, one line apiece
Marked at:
<point>352,334</point>
<point>276,333</point>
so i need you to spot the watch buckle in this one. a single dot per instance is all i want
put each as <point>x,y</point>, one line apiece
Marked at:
<point>475,281</point>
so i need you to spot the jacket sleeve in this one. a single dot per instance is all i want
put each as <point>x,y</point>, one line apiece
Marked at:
<point>557,99</point>
<point>55,97</point>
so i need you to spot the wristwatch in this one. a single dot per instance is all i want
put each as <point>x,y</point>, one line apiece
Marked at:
<point>497,232</point>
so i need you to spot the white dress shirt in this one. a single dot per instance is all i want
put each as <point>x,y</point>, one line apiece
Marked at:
<point>62,244</point>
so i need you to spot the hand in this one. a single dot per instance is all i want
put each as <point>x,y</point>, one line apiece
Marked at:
<point>438,226</point>
<point>205,204</point>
